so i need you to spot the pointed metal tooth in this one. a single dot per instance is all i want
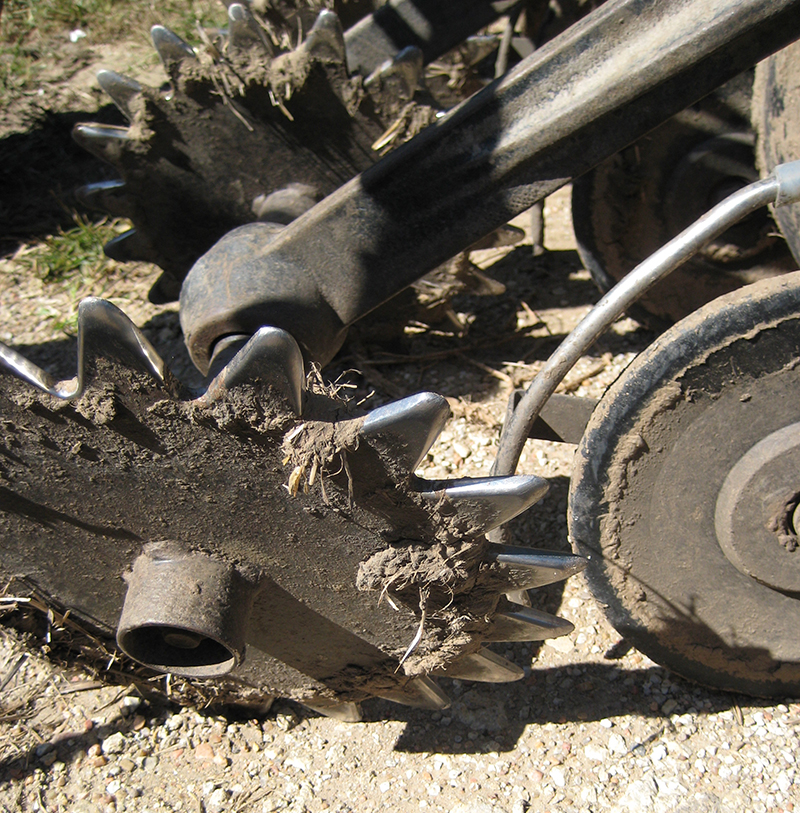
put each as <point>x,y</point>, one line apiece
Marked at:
<point>409,426</point>
<point>486,501</point>
<point>128,247</point>
<point>104,141</point>
<point>478,47</point>
<point>343,712</point>
<point>244,30</point>
<point>271,356</point>
<point>530,567</point>
<point>121,89</point>
<point>106,196</point>
<point>326,38</point>
<point>507,235</point>
<point>403,73</point>
<point>167,288</point>
<point>419,693</point>
<point>484,666</point>
<point>103,331</point>
<point>517,623</point>
<point>172,50</point>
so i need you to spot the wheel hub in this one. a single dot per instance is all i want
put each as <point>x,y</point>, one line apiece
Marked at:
<point>757,511</point>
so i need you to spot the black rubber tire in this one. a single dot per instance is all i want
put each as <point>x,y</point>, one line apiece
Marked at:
<point>633,203</point>
<point>646,480</point>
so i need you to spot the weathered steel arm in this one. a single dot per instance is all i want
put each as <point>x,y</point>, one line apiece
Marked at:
<point>584,96</point>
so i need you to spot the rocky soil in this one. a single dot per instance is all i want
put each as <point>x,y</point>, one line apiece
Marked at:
<point>593,726</point>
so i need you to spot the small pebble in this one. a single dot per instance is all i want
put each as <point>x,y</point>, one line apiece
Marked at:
<point>204,751</point>
<point>114,744</point>
<point>217,801</point>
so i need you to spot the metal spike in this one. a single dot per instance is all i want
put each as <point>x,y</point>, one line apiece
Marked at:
<point>343,712</point>
<point>326,39</point>
<point>485,501</point>
<point>103,331</point>
<point>121,89</point>
<point>507,235</point>
<point>420,693</point>
<point>106,196</point>
<point>402,73</point>
<point>484,666</point>
<point>409,426</point>
<point>271,356</point>
<point>165,289</point>
<point>516,623</point>
<point>104,141</point>
<point>478,47</point>
<point>128,247</point>
<point>172,50</point>
<point>530,567</point>
<point>244,30</point>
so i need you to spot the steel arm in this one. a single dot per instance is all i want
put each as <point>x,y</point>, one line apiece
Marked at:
<point>606,81</point>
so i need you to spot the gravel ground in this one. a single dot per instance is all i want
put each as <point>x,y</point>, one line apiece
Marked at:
<point>593,726</point>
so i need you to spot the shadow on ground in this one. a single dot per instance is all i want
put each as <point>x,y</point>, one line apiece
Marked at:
<point>39,172</point>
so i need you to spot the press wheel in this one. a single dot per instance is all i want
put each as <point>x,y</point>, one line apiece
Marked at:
<point>685,490</point>
<point>634,202</point>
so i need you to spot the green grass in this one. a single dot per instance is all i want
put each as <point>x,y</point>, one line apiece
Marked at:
<point>34,38</point>
<point>75,252</point>
<point>105,20</point>
<point>72,265</point>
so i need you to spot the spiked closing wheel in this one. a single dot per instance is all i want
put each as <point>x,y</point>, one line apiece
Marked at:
<point>250,129</point>
<point>256,533</point>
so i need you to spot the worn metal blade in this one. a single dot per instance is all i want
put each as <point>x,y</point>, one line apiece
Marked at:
<point>485,501</point>
<point>106,196</point>
<point>408,427</point>
<point>529,567</point>
<point>402,73</point>
<point>172,50</point>
<point>419,693</point>
<point>271,357</point>
<point>343,712</point>
<point>104,331</point>
<point>121,89</point>
<point>244,30</point>
<point>325,41</point>
<point>474,49</point>
<point>104,141</point>
<point>517,623</point>
<point>484,666</point>
<point>130,246</point>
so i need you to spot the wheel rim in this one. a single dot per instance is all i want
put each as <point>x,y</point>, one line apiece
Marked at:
<point>757,512</point>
